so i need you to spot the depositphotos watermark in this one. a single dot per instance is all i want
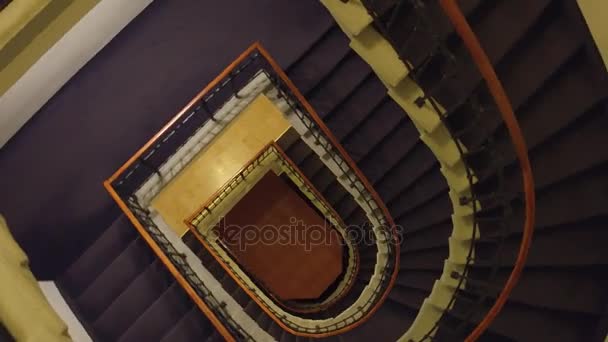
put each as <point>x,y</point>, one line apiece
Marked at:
<point>297,233</point>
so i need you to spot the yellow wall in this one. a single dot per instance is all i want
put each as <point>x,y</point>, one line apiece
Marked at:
<point>595,12</point>
<point>48,35</point>
<point>256,126</point>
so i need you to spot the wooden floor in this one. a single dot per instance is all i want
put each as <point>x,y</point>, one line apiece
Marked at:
<point>293,261</point>
<point>260,123</point>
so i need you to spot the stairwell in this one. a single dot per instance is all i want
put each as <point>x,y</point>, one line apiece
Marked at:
<point>543,55</point>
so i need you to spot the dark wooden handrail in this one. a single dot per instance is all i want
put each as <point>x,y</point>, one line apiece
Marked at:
<point>215,321</point>
<point>244,287</point>
<point>353,166</point>
<point>452,10</point>
<point>331,138</point>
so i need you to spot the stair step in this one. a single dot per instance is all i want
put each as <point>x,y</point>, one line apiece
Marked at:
<point>298,152</point>
<point>402,175</point>
<point>133,301</point>
<point>319,61</point>
<point>420,280</point>
<point>335,192</point>
<point>215,337</point>
<point>368,96</point>
<point>563,326</point>
<point>387,324</point>
<point>263,320</point>
<point>252,309</point>
<point>574,290</point>
<point>390,151</point>
<point>229,284</point>
<point>427,187</point>
<point>436,210</point>
<point>241,297</point>
<point>114,279</point>
<point>192,242</point>
<point>310,165</point>
<point>275,331</point>
<point>373,130</point>
<point>193,326</point>
<point>344,79</point>
<point>98,256</point>
<point>160,317</point>
<point>322,179</point>
<point>432,237</point>
<point>537,60</point>
<point>288,138</point>
<point>409,297</point>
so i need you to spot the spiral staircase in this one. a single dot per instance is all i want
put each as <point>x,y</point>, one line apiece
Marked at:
<point>391,88</point>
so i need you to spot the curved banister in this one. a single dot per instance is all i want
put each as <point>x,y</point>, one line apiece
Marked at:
<point>140,166</point>
<point>318,195</point>
<point>180,278</point>
<point>277,69</point>
<point>216,81</point>
<point>452,10</point>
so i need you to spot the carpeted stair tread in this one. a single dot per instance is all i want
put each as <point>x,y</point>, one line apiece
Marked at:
<point>559,157</point>
<point>427,187</point>
<point>390,151</point>
<point>323,179</point>
<point>320,60</point>
<point>373,130</point>
<point>403,174</point>
<point>431,237</point>
<point>361,103</point>
<point>275,331</point>
<point>432,212</point>
<point>344,79</point>
<point>509,20</point>
<point>160,317</point>
<point>554,247</point>
<point>215,337</point>
<point>114,279</point>
<point>133,301</point>
<point>420,280</point>
<point>388,324</point>
<point>98,256</point>
<point>562,289</point>
<point>241,297</point>
<point>409,297</point>
<point>298,151</point>
<point>193,326</point>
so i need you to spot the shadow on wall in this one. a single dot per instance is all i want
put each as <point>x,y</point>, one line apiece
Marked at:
<point>55,166</point>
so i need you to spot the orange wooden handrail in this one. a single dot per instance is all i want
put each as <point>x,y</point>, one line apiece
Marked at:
<point>185,110</point>
<point>172,269</point>
<point>452,10</point>
<point>244,287</point>
<point>330,136</point>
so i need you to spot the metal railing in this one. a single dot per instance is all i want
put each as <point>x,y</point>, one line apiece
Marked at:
<point>312,195</point>
<point>148,160</point>
<point>180,262</point>
<point>472,293</point>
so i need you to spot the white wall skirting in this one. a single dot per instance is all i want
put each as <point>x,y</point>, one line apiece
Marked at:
<point>62,61</point>
<point>54,297</point>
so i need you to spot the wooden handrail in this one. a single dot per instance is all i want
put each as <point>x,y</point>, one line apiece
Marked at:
<point>353,166</point>
<point>452,10</point>
<point>328,134</point>
<point>244,287</point>
<point>222,188</point>
<point>165,260</point>
<point>197,98</point>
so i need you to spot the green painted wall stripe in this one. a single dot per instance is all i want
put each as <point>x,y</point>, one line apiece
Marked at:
<point>46,36</point>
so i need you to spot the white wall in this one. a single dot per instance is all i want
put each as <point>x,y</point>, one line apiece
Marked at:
<point>62,61</point>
